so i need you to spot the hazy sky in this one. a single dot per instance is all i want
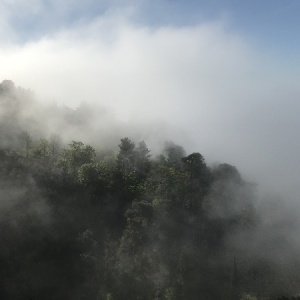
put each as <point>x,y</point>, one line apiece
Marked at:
<point>224,73</point>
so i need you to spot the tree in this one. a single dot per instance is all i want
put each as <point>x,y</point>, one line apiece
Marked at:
<point>142,159</point>
<point>40,149</point>
<point>75,156</point>
<point>126,156</point>
<point>6,87</point>
<point>226,172</point>
<point>55,145</point>
<point>194,164</point>
<point>134,263</point>
<point>229,197</point>
<point>200,177</point>
<point>98,178</point>
<point>174,153</point>
<point>26,141</point>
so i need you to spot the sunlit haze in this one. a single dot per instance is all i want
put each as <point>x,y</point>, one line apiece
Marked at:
<point>224,75</point>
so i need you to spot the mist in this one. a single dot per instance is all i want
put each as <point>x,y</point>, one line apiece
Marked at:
<point>204,86</point>
<point>235,102</point>
<point>245,220</point>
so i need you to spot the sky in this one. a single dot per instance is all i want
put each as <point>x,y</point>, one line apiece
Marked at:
<point>223,74</point>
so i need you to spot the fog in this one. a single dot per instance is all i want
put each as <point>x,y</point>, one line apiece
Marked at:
<point>233,102</point>
<point>203,86</point>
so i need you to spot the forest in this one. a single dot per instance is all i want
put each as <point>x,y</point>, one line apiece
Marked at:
<point>118,221</point>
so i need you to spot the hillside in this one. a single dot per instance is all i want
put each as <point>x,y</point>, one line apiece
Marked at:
<point>80,221</point>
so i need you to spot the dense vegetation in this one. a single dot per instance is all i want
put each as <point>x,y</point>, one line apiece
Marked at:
<point>77,223</point>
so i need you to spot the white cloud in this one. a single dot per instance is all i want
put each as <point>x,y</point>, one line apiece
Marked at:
<point>202,79</point>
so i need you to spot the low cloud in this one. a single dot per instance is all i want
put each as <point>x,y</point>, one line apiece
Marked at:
<point>223,97</point>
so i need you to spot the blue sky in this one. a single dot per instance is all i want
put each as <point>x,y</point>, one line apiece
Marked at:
<point>224,74</point>
<point>272,26</point>
<point>273,23</point>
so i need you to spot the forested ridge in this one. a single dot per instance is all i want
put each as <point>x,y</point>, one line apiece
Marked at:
<point>81,222</point>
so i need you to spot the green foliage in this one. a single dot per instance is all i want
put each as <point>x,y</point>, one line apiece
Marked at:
<point>26,141</point>
<point>170,294</point>
<point>174,154</point>
<point>75,156</point>
<point>101,174</point>
<point>172,184</point>
<point>55,145</point>
<point>41,149</point>
<point>88,173</point>
<point>120,227</point>
<point>126,156</point>
<point>195,165</point>
<point>248,297</point>
<point>230,198</point>
<point>76,225</point>
<point>142,159</point>
<point>109,296</point>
